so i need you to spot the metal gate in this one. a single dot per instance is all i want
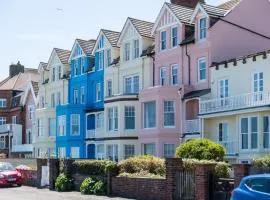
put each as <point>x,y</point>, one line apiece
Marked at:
<point>185,185</point>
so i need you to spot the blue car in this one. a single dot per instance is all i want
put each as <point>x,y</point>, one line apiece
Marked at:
<point>255,187</point>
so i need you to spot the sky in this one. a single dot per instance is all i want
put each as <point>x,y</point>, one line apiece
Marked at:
<point>30,29</point>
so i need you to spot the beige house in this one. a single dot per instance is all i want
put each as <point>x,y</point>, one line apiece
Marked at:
<point>53,88</point>
<point>237,112</point>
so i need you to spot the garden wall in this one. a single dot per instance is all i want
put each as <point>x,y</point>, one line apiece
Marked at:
<point>139,188</point>
<point>29,178</point>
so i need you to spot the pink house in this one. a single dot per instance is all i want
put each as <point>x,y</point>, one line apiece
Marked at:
<point>181,75</point>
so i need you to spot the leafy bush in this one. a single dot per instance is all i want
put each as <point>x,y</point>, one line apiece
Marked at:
<point>223,170</point>
<point>91,186</point>
<point>263,162</point>
<point>143,164</point>
<point>201,149</point>
<point>63,183</point>
<point>94,167</point>
<point>141,174</point>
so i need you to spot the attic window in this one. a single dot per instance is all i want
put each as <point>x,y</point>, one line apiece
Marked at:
<point>202,28</point>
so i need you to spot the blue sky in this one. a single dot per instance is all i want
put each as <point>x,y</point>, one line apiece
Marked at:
<point>31,28</point>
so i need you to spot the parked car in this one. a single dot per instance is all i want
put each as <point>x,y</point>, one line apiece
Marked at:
<point>255,187</point>
<point>9,175</point>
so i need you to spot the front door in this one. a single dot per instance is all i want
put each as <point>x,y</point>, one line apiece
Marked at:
<point>91,151</point>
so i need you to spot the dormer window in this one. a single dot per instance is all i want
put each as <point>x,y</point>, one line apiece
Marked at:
<point>174,38</point>
<point>127,52</point>
<point>163,40</point>
<point>78,51</point>
<point>136,49</point>
<point>202,28</point>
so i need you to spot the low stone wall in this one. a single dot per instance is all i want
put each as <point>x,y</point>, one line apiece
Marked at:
<point>139,188</point>
<point>29,177</point>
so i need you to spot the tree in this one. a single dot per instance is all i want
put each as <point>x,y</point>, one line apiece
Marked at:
<point>201,149</point>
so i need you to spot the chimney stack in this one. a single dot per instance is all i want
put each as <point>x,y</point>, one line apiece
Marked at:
<point>187,3</point>
<point>15,69</point>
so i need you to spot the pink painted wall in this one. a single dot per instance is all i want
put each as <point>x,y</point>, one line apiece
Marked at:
<point>229,41</point>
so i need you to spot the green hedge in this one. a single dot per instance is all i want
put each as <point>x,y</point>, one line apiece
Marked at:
<point>142,165</point>
<point>92,186</point>
<point>63,183</point>
<point>95,167</point>
<point>263,162</point>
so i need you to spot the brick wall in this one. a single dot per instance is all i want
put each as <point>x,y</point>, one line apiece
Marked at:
<point>139,188</point>
<point>29,177</point>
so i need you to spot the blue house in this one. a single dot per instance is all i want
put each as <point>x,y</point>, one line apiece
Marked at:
<point>85,95</point>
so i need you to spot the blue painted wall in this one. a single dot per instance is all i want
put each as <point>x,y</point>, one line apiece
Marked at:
<point>88,80</point>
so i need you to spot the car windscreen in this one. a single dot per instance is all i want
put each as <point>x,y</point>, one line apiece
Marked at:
<point>259,185</point>
<point>6,167</point>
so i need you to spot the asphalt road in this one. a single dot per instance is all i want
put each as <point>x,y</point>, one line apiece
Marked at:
<point>29,193</point>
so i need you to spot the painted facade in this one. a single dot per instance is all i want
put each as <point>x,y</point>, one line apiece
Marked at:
<point>84,97</point>
<point>238,117</point>
<point>127,78</point>
<point>53,91</point>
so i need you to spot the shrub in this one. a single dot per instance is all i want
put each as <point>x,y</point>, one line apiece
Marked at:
<point>263,162</point>
<point>201,149</point>
<point>94,167</point>
<point>91,186</point>
<point>223,170</point>
<point>63,183</point>
<point>145,164</point>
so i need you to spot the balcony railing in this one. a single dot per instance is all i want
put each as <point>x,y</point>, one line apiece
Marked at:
<point>230,146</point>
<point>235,102</point>
<point>91,134</point>
<point>22,148</point>
<point>192,126</point>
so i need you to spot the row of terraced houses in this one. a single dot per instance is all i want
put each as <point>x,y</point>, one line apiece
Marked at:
<point>198,71</point>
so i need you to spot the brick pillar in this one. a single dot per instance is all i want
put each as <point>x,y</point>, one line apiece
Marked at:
<point>240,171</point>
<point>173,165</point>
<point>202,181</point>
<point>68,166</point>
<point>40,163</point>
<point>54,168</point>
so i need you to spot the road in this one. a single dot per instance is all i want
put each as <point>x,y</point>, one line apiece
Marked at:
<point>30,193</point>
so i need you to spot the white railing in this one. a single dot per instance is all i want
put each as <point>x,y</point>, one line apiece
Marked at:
<point>192,126</point>
<point>235,102</point>
<point>91,134</point>
<point>22,148</point>
<point>230,146</point>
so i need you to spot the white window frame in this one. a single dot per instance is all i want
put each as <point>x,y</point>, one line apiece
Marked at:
<point>200,38</point>
<point>59,72</point>
<point>162,80</point>
<point>249,133</point>
<point>161,41</point>
<point>75,152</point>
<point>108,57</point>
<point>72,120</point>
<point>168,112</point>
<point>112,114</point>
<point>153,148</point>
<point>172,37</point>
<point>174,66</point>
<point>146,119</point>
<point>99,120</point>
<point>82,95</point>
<point>130,112</point>
<point>166,150</point>
<point>62,152</point>
<point>136,49</point>
<point>75,96</point>
<point>54,127</point>
<point>101,59</point>
<point>109,89</point>
<point>61,129</point>
<point>200,69</point>
<point>127,52</point>
<point>40,127</point>
<point>3,103</point>
<point>129,150</point>
<point>98,92</point>
<point>266,132</point>
<point>100,149</point>
<point>114,153</point>
<point>58,101</point>
<point>14,119</point>
<point>53,104</point>
<point>258,86</point>
<point>31,110</point>
<point>132,84</point>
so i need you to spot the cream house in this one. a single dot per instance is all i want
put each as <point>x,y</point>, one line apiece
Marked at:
<point>53,91</point>
<point>124,79</point>
<point>237,112</point>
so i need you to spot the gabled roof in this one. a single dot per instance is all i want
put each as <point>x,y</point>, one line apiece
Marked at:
<point>87,46</point>
<point>42,65</point>
<point>229,4</point>
<point>181,12</point>
<point>112,36</point>
<point>33,88</point>
<point>143,27</point>
<point>63,55</point>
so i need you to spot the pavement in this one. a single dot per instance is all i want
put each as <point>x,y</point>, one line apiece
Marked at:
<point>30,193</point>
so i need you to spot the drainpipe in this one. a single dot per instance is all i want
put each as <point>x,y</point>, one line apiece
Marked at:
<point>189,73</point>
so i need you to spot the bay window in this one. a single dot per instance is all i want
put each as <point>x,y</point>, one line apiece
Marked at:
<point>98,92</point>
<point>129,150</point>
<point>149,149</point>
<point>112,152</point>
<point>129,117</point>
<point>149,114</point>
<point>169,113</point>
<point>113,119</point>
<point>61,125</point>
<point>131,85</point>
<point>169,150</point>
<point>75,125</point>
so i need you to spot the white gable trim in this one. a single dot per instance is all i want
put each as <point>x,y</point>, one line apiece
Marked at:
<point>165,7</point>
<point>26,93</point>
<point>97,41</point>
<point>40,67</point>
<point>197,9</point>
<point>73,49</point>
<point>53,54</point>
<point>124,31</point>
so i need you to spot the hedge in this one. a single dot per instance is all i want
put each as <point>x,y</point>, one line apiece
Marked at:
<point>94,167</point>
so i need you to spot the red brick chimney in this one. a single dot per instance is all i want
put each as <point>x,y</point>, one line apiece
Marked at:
<point>187,3</point>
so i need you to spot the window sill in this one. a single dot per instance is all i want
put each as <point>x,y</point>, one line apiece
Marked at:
<point>169,127</point>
